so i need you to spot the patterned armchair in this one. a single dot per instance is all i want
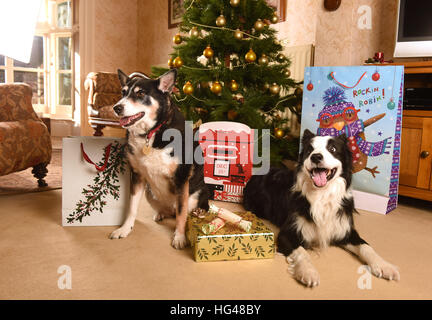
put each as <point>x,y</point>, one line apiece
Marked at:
<point>24,139</point>
<point>104,91</point>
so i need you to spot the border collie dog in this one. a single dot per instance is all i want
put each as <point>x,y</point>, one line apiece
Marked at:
<point>172,187</point>
<point>313,206</point>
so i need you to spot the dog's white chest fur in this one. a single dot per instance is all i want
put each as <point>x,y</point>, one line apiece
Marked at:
<point>157,167</point>
<point>324,207</point>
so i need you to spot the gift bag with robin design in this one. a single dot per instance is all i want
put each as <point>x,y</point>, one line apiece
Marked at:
<point>365,104</point>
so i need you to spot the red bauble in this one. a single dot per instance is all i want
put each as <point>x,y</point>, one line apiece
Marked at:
<point>310,86</point>
<point>375,76</point>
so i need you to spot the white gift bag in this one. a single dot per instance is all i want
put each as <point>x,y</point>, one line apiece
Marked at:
<point>95,182</point>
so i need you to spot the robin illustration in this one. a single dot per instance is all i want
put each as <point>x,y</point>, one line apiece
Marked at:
<point>340,117</point>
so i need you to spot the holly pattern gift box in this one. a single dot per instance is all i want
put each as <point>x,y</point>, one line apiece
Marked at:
<point>230,242</point>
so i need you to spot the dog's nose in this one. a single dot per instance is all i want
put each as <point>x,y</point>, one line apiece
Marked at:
<point>118,108</point>
<point>316,158</point>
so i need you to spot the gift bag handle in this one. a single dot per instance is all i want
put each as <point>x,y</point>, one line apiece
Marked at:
<point>344,86</point>
<point>87,158</point>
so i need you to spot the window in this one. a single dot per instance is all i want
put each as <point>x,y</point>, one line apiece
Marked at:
<point>49,71</point>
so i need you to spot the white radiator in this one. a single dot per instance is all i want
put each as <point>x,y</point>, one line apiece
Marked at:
<point>300,57</point>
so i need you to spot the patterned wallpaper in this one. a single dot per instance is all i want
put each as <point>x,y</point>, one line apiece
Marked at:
<point>134,34</point>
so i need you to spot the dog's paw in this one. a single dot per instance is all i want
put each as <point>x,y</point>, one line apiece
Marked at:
<point>158,217</point>
<point>383,269</point>
<point>306,274</point>
<point>179,240</point>
<point>121,232</point>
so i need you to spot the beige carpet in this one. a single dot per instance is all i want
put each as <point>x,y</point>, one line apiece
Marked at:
<point>34,245</point>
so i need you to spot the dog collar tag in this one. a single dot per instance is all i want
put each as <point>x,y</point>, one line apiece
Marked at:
<point>146,150</point>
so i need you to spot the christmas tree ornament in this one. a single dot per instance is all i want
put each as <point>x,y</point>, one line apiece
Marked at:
<point>274,89</point>
<point>194,32</point>
<point>232,114</point>
<point>280,57</point>
<point>263,60</point>
<point>177,62</point>
<point>188,88</point>
<point>221,21</point>
<point>287,73</point>
<point>233,86</point>
<point>391,105</point>
<point>274,18</point>
<point>177,39</point>
<point>279,133</point>
<point>250,56</point>
<point>376,76</point>
<point>298,92</point>
<point>216,87</point>
<point>259,25</point>
<point>208,52</point>
<point>234,3</point>
<point>265,87</point>
<point>170,63</point>
<point>276,42</point>
<point>310,86</point>
<point>238,34</point>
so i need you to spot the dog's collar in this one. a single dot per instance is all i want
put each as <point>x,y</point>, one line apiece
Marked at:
<point>153,131</point>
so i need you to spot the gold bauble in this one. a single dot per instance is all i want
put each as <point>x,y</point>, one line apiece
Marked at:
<point>274,18</point>
<point>188,88</point>
<point>233,85</point>
<point>287,73</point>
<point>177,39</point>
<point>178,62</point>
<point>265,86</point>
<point>279,133</point>
<point>208,52</point>
<point>234,3</point>
<point>280,57</point>
<point>263,60</point>
<point>274,88</point>
<point>221,21</point>
<point>259,25</point>
<point>216,87</point>
<point>232,114</point>
<point>170,63</point>
<point>238,34</point>
<point>250,56</point>
<point>194,32</point>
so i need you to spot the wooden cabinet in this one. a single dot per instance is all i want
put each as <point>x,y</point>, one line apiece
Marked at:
<point>416,155</point>
<point>415,178</point>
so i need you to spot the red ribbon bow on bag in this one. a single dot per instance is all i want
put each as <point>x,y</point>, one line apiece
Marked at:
<point>87,158</point>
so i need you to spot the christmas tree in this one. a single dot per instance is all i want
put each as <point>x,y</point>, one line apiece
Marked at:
<point>230,68</point>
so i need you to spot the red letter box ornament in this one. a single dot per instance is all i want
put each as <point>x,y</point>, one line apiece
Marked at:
<point>228,157</point>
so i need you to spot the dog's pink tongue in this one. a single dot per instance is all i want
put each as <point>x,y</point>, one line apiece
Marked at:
<point>319,178</point>
<point>124,121</point>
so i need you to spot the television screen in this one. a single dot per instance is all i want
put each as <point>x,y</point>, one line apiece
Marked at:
<point>415,20</point>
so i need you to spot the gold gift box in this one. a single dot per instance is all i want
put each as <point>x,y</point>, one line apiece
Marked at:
<point>230,242</point>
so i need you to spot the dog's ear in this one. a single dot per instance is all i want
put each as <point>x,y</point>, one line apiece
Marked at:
<point>122,77</point>
<point>167,81</point>
<point>307,136</point>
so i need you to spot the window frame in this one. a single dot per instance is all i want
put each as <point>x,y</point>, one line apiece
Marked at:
<point>49,31</point>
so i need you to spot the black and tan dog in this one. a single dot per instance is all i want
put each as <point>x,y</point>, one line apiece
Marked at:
<point>173,187</point>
